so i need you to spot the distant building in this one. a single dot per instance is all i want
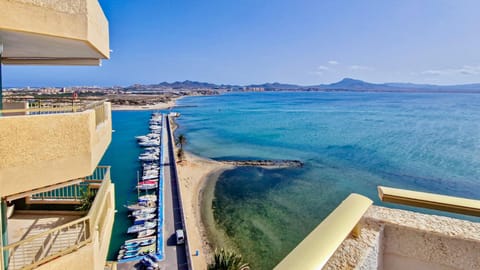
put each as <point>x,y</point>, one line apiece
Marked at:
<point>254,89</point>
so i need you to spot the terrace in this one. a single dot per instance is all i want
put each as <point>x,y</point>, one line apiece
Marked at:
<point>48,225</point>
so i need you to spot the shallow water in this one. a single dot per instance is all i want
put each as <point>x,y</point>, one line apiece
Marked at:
<point>350,142</point>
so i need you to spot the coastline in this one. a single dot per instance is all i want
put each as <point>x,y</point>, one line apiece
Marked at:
<point>157,106</point>
<point>197,178</point>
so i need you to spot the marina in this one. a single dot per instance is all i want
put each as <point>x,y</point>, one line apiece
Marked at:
<point>146,214</point>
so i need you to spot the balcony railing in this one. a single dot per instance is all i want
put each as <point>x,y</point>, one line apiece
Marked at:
<point>33,251</point>
<point>41,248</point>
<point>53,106</point>
<point>72,193</point>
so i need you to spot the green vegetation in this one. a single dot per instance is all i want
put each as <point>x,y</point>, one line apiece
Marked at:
<point>182,140</point>
<point>180,155</point>
<point>227,260</point>
<point>88,196</point>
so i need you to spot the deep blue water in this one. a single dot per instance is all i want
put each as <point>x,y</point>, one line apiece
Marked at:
<point>350,142</point>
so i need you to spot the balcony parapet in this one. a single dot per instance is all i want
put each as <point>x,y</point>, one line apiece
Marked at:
<point>317,248</point>
<point>52,144</point>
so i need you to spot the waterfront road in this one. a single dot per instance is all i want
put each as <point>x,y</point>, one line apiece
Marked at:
<point>175,256</point>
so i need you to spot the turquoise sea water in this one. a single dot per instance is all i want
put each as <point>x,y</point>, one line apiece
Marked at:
<point>122,155</point>
<point>350,142</point>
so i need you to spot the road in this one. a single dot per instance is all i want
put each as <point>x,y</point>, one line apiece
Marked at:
<point>175,256</point>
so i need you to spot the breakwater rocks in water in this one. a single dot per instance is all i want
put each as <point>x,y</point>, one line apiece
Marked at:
<point>265,163</point>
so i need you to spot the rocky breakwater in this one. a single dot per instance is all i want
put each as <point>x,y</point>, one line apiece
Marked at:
<point>265,163</point>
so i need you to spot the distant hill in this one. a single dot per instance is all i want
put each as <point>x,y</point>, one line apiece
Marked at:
<point>185,85</point>
<point>277,86</point>
<point>347,84</point>
<point>350,84</point>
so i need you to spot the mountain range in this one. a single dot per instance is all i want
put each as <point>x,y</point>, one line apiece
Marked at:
<point>347,84</point>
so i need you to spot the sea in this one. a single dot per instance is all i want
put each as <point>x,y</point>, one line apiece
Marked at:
<point>349,142</point>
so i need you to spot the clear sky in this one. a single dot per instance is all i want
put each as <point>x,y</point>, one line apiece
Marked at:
<point>292,41</point>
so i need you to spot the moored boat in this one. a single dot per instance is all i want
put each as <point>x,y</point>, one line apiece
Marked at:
<point>145,233</point>
<point>148,210</point>
<point>142,227</point>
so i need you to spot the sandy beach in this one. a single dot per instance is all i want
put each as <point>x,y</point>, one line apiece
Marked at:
<point>194,173</point>
<point>156,106</point>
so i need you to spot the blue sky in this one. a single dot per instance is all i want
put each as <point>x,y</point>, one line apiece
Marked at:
<point>293,41</point>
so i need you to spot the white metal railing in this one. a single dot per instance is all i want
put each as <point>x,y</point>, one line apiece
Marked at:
<point>33,251</point>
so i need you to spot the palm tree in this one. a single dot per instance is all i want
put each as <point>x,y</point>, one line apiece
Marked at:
<point>87,198</point>
<point>182,140</point>
<point>227,260</point>
<point>180,155</point>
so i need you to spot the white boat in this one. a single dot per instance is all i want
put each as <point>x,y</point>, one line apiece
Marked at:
<point>150,143</point>
<point>144,217</point>
<point>148,210</point>
<point>142,137</point>
<point>143,227</point>
<point>145,233</point>
<point>148,158</point>
<point>153,170</point>
<point>150,176</point>
<point>147,186</point>
<point>142,205</point>
<point>149,197</point>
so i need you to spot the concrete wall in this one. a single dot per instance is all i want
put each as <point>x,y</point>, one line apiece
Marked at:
<point>41,150</point>
<point>393,239</point>
<point>76,20</point>
<point>408,248</point>
<point>14,106</point>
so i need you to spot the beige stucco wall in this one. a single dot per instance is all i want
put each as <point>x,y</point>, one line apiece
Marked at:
<point>393,239</point>
<point>41,150</point>
<point>76,20</point>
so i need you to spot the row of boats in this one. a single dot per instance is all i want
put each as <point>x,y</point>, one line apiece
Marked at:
<point>144,212</point>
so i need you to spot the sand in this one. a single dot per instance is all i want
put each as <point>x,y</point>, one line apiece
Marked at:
<point>156,106</point>
<point>194,174</point>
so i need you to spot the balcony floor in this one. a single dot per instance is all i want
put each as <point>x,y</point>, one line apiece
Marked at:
<point>21,226</point>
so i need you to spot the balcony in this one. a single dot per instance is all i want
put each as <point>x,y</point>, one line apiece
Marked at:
<point>53,32</point>
<point>48,143</point>
<point>53,239</point>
